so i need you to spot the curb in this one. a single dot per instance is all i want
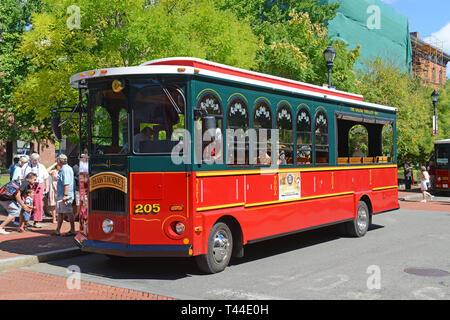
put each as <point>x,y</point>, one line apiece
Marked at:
<point>418,197</point>
<point>27,260</point>
<point>414,197</point>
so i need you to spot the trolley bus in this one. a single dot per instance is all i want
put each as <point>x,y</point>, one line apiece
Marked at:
<point>191,158</point>
<point>442,165</point>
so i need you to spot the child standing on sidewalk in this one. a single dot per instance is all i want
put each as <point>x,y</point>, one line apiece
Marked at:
<point>24,215</point>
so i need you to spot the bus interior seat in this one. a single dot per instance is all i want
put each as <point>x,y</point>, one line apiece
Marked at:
<point>342,160</point>
<point>355,159</point>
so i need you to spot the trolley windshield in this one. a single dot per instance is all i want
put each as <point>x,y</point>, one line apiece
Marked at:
<point>141,114</point>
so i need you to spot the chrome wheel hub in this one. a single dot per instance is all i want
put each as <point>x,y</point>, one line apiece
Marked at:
<point>221,246</point>
<point>363,219</point>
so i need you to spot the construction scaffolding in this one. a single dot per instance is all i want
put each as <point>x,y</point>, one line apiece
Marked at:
<point>379,30</point>
<point>427,56</point>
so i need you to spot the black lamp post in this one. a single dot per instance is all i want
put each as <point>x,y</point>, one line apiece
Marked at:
<point>329,55</point>
<point>435,98</point>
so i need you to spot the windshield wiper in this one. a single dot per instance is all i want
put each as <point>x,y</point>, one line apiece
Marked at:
<point>169,96</point>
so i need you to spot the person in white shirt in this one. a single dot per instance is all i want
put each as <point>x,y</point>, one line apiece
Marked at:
<point>19,172</point>
<point>42,187</point>
<point>424,184</point>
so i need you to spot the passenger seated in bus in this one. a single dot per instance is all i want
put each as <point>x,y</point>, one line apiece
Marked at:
<point>145,135</point>
<point>216,153</point>
<point>214,149</point>
<point>263,158</point>
<point>282,160</point>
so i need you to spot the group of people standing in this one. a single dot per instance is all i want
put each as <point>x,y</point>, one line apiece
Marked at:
<point>31,181</point>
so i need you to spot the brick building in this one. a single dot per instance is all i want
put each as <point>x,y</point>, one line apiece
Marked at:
<point>47,153</point>
<point>429,61</point>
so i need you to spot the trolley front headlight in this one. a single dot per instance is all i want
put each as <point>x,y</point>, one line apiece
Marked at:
<point>107,226</point>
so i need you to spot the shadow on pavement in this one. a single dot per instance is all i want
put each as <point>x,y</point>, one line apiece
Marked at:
<point>35,240</point>
<point>178,268</point>
<point>33,245</point>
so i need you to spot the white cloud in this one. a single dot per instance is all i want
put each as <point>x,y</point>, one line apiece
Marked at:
<point>441,38</point>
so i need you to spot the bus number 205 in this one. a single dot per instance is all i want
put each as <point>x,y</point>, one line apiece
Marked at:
<point>141,208</point>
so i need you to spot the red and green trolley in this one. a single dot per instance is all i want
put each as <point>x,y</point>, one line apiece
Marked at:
<point>442,165</point>
<point>278,160</point>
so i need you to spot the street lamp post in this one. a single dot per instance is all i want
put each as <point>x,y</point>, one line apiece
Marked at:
<point>329,55</point>
<point>435,98</point>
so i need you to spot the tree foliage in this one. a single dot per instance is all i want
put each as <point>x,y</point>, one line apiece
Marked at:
<point>443,111</point>
<point>384,84</point>
<point>293,37</point>
<point>70,36</point>
<point>16,123</point>
<point>47,41</point>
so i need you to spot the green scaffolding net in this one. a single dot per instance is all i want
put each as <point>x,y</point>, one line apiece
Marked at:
<point>378,28</point>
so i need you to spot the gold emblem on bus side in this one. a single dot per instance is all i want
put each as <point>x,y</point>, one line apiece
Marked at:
<point>108,180</point>
<point>117,86</point>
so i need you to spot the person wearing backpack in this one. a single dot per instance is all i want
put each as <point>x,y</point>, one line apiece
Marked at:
<point>11,198</point>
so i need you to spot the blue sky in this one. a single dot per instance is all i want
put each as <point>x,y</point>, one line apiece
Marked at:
<point>429,18</point>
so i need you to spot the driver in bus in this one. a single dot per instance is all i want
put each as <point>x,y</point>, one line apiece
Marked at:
<point>145,135</point>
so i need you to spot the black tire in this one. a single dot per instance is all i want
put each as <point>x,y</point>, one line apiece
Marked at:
<point>220,247</point>
<point>359,226</point>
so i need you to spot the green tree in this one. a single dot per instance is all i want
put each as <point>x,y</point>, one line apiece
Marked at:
<point>443,111</point>
<point>258,11</point>
<point>384,84</point>
<point>293,37</point>
<point>16,123</point>
<point>70,36</point>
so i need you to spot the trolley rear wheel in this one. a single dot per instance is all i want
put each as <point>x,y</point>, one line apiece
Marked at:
<point>359,226</point>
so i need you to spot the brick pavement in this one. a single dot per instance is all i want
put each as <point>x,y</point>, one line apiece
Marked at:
<point>22,284</point>
<point>410,200</point>
<point>19,284</point>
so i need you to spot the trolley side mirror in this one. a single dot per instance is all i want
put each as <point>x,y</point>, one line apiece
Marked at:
<point>56,128</point>
<point>209,123</point>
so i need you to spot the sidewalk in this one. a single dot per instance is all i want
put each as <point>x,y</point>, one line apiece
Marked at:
<point>410,200</point>
<point>36,245</point>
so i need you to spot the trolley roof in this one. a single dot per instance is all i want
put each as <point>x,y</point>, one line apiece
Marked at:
<point>196,66</point>
<point>444,141</point>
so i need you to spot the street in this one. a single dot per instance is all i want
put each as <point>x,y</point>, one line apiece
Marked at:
<point>404,255</point>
